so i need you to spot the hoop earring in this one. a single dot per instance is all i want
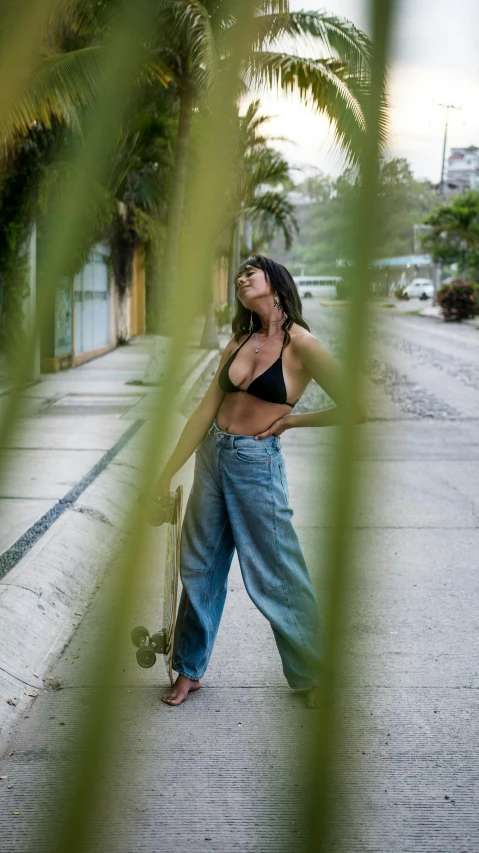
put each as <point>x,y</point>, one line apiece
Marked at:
<point>277,301</point>
<point>251,324</point>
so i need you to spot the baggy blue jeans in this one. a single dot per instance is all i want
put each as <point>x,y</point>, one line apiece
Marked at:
<point>239,499</point>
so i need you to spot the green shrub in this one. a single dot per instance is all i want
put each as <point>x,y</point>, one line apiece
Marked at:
<point>458,300</point>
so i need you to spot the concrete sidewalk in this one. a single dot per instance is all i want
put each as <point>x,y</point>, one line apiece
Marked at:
<point>435,312</point>
<point>68,421</point>
<point>64,446</point>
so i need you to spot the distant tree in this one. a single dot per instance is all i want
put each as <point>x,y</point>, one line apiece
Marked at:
<point>454,235</point>
<point>326,224</point>
<point>405,201</point>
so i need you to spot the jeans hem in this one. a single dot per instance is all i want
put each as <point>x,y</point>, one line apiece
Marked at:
<point>187,674</point>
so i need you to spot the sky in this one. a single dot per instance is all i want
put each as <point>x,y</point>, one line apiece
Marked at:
<point>434,59</point>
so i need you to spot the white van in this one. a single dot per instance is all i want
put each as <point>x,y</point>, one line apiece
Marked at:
<point>316,285</point>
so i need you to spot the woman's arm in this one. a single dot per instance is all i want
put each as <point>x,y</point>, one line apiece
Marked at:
<point>195,428</point>
<point>321,367</point>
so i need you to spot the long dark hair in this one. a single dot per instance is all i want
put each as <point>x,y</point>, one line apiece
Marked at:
<point>280,280</point>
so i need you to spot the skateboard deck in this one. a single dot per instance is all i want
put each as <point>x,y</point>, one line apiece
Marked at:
<point>172,573</point>
<point>162,642</point>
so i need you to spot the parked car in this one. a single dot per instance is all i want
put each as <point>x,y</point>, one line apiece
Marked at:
<point>420,288</point>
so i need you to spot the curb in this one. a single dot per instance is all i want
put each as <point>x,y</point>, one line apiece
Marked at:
<point>428,313</point>
<point>44,596</point>
<point>196,376</point>
<point>41,604</point>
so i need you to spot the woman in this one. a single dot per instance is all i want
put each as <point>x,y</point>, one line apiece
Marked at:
<point>239,497</point>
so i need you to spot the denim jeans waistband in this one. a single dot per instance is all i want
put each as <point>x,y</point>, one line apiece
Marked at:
<point>236,440</point>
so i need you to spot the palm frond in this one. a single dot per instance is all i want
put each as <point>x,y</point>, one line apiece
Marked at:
<point>267,167</point>
<point>273,212</point>
<point>187,27</point>
<point>324,82</point>
<point>155,70</point>
<point>273,7</point>
<point>338,37</point>
<point>250,122</point>
<point>360,88</point>
<point>59,87</point>
<point>79,23</point>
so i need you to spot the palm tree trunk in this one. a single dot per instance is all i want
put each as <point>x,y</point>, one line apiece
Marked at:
<point>169,274</point>
<point>231,267</point>
<point>239,223</point>
<point>122,316</point>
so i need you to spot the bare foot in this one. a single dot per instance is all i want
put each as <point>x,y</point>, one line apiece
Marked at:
<point>179,692</point>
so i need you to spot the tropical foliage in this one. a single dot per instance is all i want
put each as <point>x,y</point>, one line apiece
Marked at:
<point>458,300</point>
<point>325,213</point>
<point>21,174</point>
<point>151,159</point>
<point>454,232</point>
<point>199,48</point>
<point>262,181</point>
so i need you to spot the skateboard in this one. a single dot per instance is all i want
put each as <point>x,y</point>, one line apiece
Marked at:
<point>167,511</point>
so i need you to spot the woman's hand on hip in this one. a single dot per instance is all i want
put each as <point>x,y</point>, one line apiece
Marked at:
<point>277,427</point>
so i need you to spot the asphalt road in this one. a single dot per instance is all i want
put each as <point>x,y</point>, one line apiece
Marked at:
<point>411,779</point>
<point>229,770</point>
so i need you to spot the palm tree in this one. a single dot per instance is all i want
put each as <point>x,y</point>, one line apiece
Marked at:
<point>198,37</point>
<point>454,230</point>
<point>192,37</point>
<point>189,45</point>
<point>263,179</point>
<point>52,102</point>
<point>259,192</point>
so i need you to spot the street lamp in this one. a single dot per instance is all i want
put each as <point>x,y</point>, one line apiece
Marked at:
<point>442,185</point>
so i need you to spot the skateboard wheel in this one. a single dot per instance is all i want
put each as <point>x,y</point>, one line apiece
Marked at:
<point>138,634</point>
<point>164,510</point>
<point>158,641</point>
<point>146,657</point>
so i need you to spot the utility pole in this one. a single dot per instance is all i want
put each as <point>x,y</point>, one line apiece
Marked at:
<point>442,192</point>
<point>442,185</point>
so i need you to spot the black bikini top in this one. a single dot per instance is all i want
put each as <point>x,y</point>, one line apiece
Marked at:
<point>267,386</point>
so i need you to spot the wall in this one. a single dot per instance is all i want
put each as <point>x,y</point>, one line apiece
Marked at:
<point>137,297</point>
<point>220,280</point>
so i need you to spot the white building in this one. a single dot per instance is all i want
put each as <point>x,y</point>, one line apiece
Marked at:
<point>462,171</point>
